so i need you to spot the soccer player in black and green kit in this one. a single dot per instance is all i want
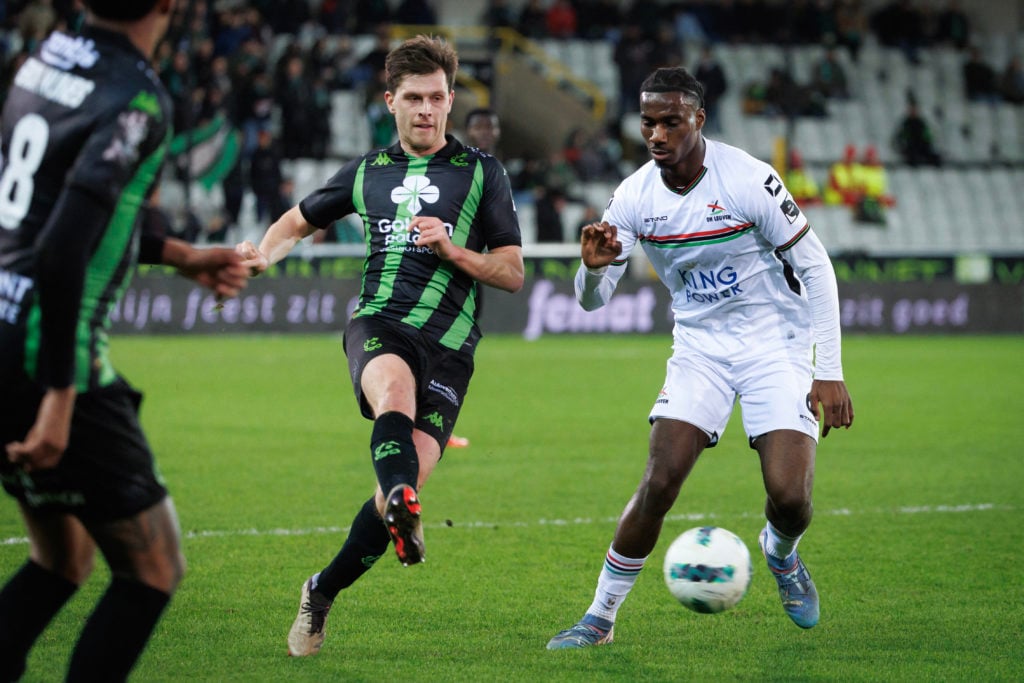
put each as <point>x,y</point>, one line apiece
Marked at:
<point>439,219</point>
<point>84,129</point>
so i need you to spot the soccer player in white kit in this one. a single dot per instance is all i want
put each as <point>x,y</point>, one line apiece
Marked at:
<point>756,312</point>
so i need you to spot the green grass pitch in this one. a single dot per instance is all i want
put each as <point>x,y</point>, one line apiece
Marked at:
<point>916,545</point>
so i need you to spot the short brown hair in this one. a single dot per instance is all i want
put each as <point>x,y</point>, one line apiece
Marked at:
<point>421,56</point>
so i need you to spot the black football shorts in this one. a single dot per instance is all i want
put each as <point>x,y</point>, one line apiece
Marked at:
<point>442,375</point>
<point>106,473</point>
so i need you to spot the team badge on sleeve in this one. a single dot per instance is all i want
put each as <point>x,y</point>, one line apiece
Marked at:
<point>790,209</point>
<point>133,126</point>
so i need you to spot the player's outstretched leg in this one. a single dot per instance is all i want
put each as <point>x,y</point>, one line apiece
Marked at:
<point>308,630</point>
<point>796,589</point>
<point>402,519</point>
<point>589,631</point>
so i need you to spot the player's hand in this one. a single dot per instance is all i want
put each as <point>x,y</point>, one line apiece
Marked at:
<point>433,234</point>
<point>219,269</point>
<point>599,244</point>
<point>836,405</point>
<point>252,258</point>
<point>45,443</point>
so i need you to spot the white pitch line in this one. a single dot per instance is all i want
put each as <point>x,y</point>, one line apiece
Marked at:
<point>579,521</point>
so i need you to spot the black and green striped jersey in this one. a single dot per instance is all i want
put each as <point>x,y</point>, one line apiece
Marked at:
<point>84,129</point>
<point>465,188</point>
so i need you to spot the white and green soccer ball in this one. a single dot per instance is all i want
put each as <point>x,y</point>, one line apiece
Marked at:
<point>708,569</point>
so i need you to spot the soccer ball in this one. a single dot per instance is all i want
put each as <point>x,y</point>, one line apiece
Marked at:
<point>708,569</point>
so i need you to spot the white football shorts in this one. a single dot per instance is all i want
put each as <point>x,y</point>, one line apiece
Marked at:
<point>772,387</point>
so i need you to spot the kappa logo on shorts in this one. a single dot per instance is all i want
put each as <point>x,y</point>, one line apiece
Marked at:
<point>372,344</point>
<point>435,419</point>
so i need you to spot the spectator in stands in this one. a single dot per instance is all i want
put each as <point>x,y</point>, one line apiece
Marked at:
<point>851,26</point>
<point>800,182</point>
<point>177,79</point>
<point>914,140</point>
<point>416,13</point>
<point>590,214</point>
<point>901,24</point>
<point>549,203</point>
<point>532,21</point>
<point>560,20</point>
<point>483,130</point>
<point>953,27</point>
<point>369,71</point>
<point>783,96</point>
<point>598,20</point>
<point>370,14</point>
<point>873,186</point>
<point>828,76</point>
<point>649,16</point>
<point>266,180</point>
<point>711,75</point>
<point>635,56</point>
<point>35,21</point>
<point>334,16</point>
<point>841,188</point>
<point>295,92</point>
<point>382,123</point>
<point>498,15</point>
<point>980,82</point>
<point>1011,84</point>
<point>592,156</point>
<point>256,106</point>
<point>320,118</point>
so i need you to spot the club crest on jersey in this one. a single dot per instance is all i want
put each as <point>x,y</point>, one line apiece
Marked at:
<point>133,128</point>
<point>413,191</point>
<point>717,213</point>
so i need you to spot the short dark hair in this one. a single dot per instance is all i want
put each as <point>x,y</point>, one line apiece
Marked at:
<point>674,79</point>
<point>480,111</point>
<point>421,56</point>
<point>120,10</point>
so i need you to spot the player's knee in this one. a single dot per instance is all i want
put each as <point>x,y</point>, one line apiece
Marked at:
<point>658,493</point>
<point>793,505</point>
<point>74,565</point>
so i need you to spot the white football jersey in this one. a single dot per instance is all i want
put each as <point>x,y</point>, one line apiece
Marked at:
<point>722,247</point>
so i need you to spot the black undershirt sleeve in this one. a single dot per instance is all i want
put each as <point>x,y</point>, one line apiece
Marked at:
<point>63,250</point>
<point>153,234</point>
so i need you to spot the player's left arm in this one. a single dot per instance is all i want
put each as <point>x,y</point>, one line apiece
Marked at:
<point>785,225</point>
<point>500,267</point>
<point>500,264</point>
<point>812,265</point>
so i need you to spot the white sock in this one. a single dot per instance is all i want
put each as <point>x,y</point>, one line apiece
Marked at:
<point>778,545</point>
<point>617,578</point>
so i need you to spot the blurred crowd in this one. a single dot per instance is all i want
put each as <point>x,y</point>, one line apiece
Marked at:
<point>265,70</point>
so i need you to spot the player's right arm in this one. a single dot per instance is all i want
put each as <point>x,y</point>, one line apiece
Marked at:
<point>64,247</point>
<point>600,266</point>
<point>279,240</point>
